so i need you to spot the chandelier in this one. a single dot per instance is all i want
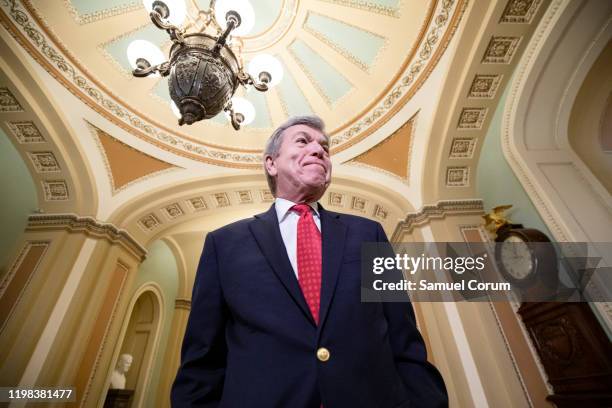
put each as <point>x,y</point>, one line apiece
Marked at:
<point>205,64</point>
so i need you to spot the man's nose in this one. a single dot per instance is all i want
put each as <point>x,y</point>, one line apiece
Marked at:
<point>317,149</point>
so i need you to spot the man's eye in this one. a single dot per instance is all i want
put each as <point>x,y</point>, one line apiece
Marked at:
<point>301,140</point>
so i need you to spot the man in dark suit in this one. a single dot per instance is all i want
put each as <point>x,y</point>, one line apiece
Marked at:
<point>276,317</point>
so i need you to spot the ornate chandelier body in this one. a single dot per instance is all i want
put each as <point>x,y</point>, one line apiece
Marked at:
<point>204,71</point>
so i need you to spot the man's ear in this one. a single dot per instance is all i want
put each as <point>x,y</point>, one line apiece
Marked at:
<point>271,166</point>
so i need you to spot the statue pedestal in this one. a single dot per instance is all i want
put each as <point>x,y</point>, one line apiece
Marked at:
<point>116,398</point>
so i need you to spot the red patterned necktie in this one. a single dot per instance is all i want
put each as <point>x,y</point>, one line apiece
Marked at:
<point>309,258</point>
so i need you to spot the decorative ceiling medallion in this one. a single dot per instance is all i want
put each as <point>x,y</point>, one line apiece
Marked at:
<point>8,102</point>
<point>222,200</point>
<point>457,176</point>
<point>380,212</point>
<point>26,132</point>
<point>198,203</point>
<point>462,148</point>
<point>173,211</point>
<point>336,199</point>
<point>358,204</point>
<point>244,197</point>
<point>485,86</point>
<point>149,222</point>
<point>471,118</point>
<point>25,24</point>
<point>44,162</point>
<point>55,190</point>
<point>520,11</point>
<point>501,50</point>
<point>266,196</point>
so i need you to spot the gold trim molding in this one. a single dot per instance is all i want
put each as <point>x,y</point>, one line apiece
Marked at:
<point>88,226</point>
<point>439,210</point>
<point>21,20</point>
<point>182,304</point>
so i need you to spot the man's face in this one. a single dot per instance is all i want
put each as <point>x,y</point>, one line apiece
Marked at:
<point>302,167</point>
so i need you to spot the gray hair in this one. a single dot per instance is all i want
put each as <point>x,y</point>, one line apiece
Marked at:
<point>274,142</point>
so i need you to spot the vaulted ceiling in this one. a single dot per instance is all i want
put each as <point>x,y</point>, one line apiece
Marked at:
<point>352,62</point>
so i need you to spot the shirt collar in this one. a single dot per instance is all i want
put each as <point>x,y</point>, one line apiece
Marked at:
<point>283,206</point>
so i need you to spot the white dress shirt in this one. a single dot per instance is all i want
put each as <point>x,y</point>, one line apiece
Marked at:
<point>287,222</point>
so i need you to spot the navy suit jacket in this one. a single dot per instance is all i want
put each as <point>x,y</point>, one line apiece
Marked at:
<point>251,340</point>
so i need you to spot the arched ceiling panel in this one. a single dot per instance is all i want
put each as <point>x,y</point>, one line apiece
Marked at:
<point>352,62</point>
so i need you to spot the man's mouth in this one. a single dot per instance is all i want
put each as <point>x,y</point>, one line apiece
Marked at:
<point>318,164</point>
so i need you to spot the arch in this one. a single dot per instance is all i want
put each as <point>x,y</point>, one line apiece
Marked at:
<point>572,202</point>
<point>232,197</point>
<point>19,201</point>
<point>68,185</point>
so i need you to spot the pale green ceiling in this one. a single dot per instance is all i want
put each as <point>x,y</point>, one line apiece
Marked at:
<point>118,49</point>
<point>352,41</point>
<point>84,7</point>
<point>19,197</point>
<point>327,78</point>
<point>362,45</point>
<point>291,95</point>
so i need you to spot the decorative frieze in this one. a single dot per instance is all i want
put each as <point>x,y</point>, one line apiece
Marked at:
<point>501,50</point>
<point>358,204</point>
<point>198,203</point>
<point>55,190</point>
<point>380,212</point>
<point>484,86</point>
<point>336,199</point>
<point>471,118</point>
<point>266,196</point>
<point>26,132</point>
<point>462,148</point>
<point>89,226</point>
<point>221,200</point>
<point>149,222</point>
<point>439,210</point>
<point>173,211</point>
<point>44,162</point>
<point>520,11</point>
<point>244,197</point>
<point>8,102</point>
<point>457,176</point>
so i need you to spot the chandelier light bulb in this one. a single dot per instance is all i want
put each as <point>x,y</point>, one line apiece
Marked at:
<point>242,7</point>
<point>245,108</point>
<point>142,49</point>
<point>177,8</point>
<point>266,63</point>
<point>175,109</point>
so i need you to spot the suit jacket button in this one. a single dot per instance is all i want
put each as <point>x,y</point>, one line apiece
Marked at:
<point>323,354</point>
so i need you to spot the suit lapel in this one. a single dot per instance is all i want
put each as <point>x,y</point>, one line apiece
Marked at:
<point>267,234</point>
<point>333,236</point>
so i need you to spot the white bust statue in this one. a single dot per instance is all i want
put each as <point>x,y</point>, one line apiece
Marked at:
<point>118,376</point>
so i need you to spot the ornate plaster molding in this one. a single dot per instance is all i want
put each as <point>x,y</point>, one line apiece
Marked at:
<point>184,304</point>
<point>439,210</point>
<point>88,226</point>
<point>27,27</point>
<point>516,88</point>
<point>511,135</point>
